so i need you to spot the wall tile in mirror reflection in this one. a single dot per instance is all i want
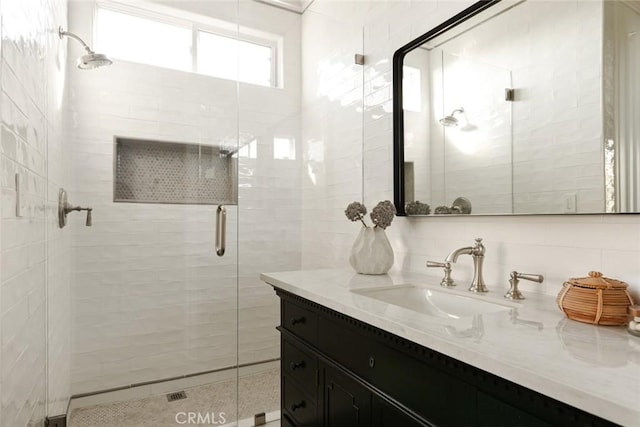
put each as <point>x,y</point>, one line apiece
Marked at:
<point>517,122</point>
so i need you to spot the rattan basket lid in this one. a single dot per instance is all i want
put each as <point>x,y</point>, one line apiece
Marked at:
<point>596,280</point>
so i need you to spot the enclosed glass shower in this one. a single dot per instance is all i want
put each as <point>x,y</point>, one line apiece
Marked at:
<point>178,164</point>
<point>148,313</point>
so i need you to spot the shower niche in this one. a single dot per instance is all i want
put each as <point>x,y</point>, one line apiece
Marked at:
<point>152,171</point>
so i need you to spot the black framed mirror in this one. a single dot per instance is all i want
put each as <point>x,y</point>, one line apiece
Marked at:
<point>520,107</point>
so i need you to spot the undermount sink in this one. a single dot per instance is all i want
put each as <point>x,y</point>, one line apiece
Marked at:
<point>432,302</point>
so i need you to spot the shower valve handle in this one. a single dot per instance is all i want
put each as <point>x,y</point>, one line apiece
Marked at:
<point>70,208</point>
<point>89,221</point>
<point>64,207</point>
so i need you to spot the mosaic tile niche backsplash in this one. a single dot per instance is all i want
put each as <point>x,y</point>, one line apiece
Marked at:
<point>165,172</point>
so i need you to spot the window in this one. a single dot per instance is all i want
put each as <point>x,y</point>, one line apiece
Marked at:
<point>137,39</point>
<point>224,57</point>
<point>151,38</point>
<point>250,150</point>
<point>284,148</point>
<point>411,90</point>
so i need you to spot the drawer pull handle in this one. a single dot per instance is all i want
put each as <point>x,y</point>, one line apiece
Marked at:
<point>297,320</point>
<point>297,406</point>
<point>372,362</point>
<point>297,365</point>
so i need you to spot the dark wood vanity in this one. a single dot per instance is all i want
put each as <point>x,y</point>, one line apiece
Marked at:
<point>337,371</point>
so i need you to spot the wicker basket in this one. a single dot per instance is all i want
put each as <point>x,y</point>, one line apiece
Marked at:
<point>595,299</point>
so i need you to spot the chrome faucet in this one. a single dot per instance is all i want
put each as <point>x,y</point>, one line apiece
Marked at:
<point>477,252</point>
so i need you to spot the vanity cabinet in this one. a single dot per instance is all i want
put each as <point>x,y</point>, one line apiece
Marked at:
<point>340,372</point>
<point>346,402</point>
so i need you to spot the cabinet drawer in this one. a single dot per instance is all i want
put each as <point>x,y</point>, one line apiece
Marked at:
<point>297,405</point>
<point>301,367</point>
<point>300,321</point>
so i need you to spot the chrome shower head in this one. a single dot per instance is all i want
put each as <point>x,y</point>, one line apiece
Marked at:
<point>450,120</point>
<point>91,60</point>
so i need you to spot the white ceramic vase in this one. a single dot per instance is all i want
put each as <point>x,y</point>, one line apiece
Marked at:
<point>371,252</point>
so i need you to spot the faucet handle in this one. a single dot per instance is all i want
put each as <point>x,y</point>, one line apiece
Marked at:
<point>526,276</point>
<point>513,293</point>
<point>447,281</point>
<point>437,264</point>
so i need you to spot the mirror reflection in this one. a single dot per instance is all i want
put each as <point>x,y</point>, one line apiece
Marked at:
<point>527,107</point>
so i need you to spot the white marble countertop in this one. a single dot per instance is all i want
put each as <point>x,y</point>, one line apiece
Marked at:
<point>594,368</point>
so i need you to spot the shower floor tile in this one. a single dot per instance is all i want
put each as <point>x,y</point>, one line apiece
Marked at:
<point>260,392</point>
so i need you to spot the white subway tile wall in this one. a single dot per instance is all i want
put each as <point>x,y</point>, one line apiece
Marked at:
<point>332,126</point>
<point>148,299</point>
<point>556,246</point>
<point>151,300</point>
<point>34,280</point>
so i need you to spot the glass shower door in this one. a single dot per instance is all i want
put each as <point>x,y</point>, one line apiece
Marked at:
<point>154,297</point>
<point>155,280</point>
<point>269,193</point>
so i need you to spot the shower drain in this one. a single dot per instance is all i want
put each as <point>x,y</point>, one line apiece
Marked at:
<point>178,395</point>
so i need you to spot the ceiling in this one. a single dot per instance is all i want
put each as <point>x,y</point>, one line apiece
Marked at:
<point>298,6</point>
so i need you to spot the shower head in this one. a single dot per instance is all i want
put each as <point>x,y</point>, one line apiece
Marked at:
<point>450,120</point>
<point>91,60</point>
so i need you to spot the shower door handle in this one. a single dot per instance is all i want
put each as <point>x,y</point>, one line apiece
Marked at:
<point>221,230</point>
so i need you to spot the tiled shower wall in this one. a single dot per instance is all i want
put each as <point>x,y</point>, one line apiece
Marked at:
<point>34,279</point>
<point>557,246</point>
<point>151,300</point>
